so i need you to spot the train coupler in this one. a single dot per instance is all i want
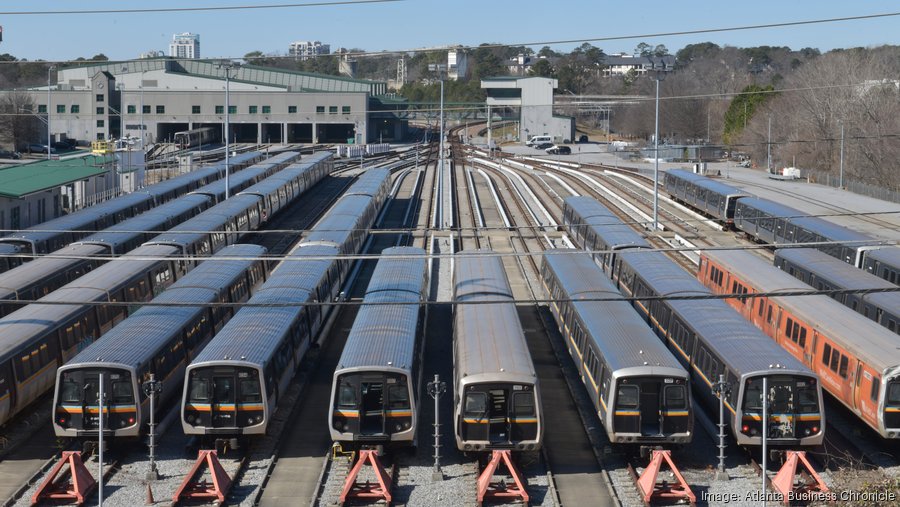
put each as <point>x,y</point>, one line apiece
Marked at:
<point>792,483</point>
<point>367,491</point>
<point>77,488</point>
<point>651,489</point>
<point>500,490</point>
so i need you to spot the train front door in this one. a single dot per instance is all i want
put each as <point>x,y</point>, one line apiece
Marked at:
<point>498,417</point>
<point>650,404</point>
<point>371,410</point>
<point>224,404</point>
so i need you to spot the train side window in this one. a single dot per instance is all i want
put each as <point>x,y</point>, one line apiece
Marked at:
<point>788,327</point>
<point>803,337</point>
<point>26,367</point>
<point>835,358</point>
<point>843,369</point>
<point>826,354</point>
<point>769,314</point>
<point>873,393</point>
<point>762,304</point>
<point>627,396</point>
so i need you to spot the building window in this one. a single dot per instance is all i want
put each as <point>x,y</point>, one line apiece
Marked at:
<point>220,109</point>
<point>99,97</point>
<point>253,109</point>
<point>132,109</point>
<point>320,109</point>
<point>195,109</point>
<point>232,109</point>
<point>42,108</point>
<point>75,109</point>
<point>60,108</point>
<point>100,110</point>
<point>160,109</point>
<point>332,109</point>
<point>100,136</point>
<point>292,109</point>
<point>267,109</point>
<point>100,123</point>
<point>345,109</point>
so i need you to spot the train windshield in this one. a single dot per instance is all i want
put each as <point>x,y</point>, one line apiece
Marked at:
<point>893,394</point>
<point>398,397</point>
<point>476,404</point>
<point>675,397</point>
<point>199,390</point>
<point>523,404</point>
<point>786,395</point>
<point>250,392</point>
<point>79,386</point>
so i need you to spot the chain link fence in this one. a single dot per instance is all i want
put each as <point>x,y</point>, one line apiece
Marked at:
<point>857,187</point>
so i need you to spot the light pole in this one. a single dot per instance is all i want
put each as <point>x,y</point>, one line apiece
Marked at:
<point>143,134</point>
<point>49,138</point>
<point>227,66</point>
<point>842,155</point>
<point>659,74</point>
<point>769,148</point>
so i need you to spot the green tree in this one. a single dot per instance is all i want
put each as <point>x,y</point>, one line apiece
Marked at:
<point>742,107</point>
<point>541,68</point>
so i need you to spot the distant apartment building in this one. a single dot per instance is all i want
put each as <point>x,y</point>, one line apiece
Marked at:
<point>622,64</point>
<point>305,49</point>
<point>457,65</point>
<point>185,45</point>
<point>153,53</point>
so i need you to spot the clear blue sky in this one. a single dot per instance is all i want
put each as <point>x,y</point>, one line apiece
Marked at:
<point>426,23</point>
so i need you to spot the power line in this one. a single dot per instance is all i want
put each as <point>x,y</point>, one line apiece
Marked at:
<point>194,9</point>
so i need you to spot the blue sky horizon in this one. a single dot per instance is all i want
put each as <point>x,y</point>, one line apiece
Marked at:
<point>413,24</point>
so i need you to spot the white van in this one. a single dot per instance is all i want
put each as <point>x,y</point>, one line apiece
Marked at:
<point>536,140</point>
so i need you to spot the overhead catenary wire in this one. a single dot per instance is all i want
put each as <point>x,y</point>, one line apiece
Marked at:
<point>150,10</point>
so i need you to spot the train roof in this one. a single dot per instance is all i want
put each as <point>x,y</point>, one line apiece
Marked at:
<point>830,230</point>
<point>295,281</point>
<point>489,340</point>
<point>623,337</point>
<point>212,219</point>
<point>341,220</point>
<point>138,338</point>
<point>587,207</point>
<point>369,182</point>
<point>125,231</point>
<point>26,274</point>
<point>316,157</point>
<point>277,180</point>
<point>889,255</point>
<point>23,325</point>
<point>744,347</point>
<point>385,335</point>
<point>833,269</point>
<point>77,220</point>
<point>708,183</point>
<point>863,337</point>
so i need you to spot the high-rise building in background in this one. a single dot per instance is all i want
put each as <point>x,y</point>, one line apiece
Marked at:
<point>185,45</point>
<point>305,49</point>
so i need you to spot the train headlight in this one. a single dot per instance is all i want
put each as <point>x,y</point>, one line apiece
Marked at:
<point>397,427</point>
<point>407,424</point>
<point>808,432</point>
<point>258,419</point>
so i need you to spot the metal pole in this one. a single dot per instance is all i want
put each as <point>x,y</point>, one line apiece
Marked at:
<point>100,443</point>
<point>435,389</point>
<point>441,132</point>
<point>765,421</point>
<point>143,134</point>
<point>227,128</point>
<point>152,389</point>
<point>842,155</point>
<point>49,139</point>
<point>721,388</point>
<point>656,166</point>
<point>769,148</point>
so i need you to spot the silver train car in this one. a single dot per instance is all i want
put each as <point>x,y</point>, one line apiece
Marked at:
<point>375,391</point>
<point>59,232</point>
<point>38,338</point>
<point>824,272</point>
<point>599,231</point>
<point>712,197</point>
<point>496,395</point>
<point>711,339</point>
<point>233,387</point>
<point>884,263</point>
<point>640,391</point>
<point>46,274</point>
<point>158,340</point>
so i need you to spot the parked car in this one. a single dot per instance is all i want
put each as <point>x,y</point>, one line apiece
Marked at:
<point>559,150</point>
<point>10,154</point>
<point>543,146</point>
<point>39,148</point>
<point>62,146</point>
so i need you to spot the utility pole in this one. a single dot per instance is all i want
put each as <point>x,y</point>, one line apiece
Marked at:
<point>100,442</point>
<point>765,428</point>
<point>769,148</point>
<point>842,155</point>
<point>721,389</point>
<point>49,135</point>
<point>152,388</point>
<point>435,389</point>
